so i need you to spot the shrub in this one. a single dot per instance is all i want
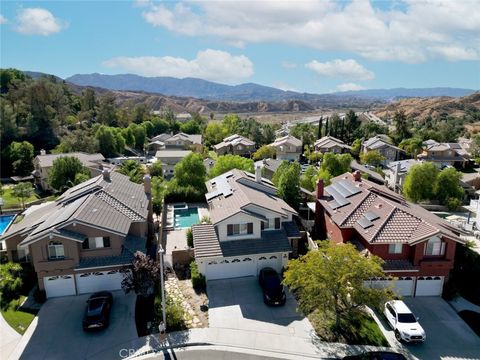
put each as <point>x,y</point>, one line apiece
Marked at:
<point>453,203</point>
<point>206,220</point>
<point>10,282</point>
<point>198,280</point>
<point>190,237</point>
<point>175,313</point>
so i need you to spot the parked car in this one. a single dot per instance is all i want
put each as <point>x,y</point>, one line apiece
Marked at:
<point>97,313</point>
<point>403,322</point>
<point>376,355</point>
<point>273,293</point>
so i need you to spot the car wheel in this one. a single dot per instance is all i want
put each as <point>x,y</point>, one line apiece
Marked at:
<point>398,336</point>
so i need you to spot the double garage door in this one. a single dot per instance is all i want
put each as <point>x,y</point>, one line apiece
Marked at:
<point>241,266</point>
<point>85,283</point>
<point>411,286</point>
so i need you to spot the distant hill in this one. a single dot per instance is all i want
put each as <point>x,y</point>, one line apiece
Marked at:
<point>202,89</point>
<point>435,107</point>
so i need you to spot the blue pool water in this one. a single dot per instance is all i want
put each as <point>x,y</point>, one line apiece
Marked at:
<point>185,218</point>
<point>5,220</point>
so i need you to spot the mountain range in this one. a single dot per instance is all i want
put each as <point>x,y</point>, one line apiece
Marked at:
<point>203,89</point>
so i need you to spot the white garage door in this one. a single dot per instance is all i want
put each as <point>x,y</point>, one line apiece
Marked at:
<point>59,285</point>
<point>231,268</point>
<point>403,286</point>
<point>273,261</point>
<point>429,286</point>
<point>98,281</point>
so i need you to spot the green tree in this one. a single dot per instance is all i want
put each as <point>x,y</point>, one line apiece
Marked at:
<point>156,169</point>
<point>111,141</point>
<point>160,126</point>
<point>190,171</point>
<point>63,172</point>
<point>356,146</point>
<point>10,282</point>
<point>158,193</point>
<point>21,157</point>
<point>23,191</point>
<point>107,113</point>
<point>231,123</point>
<point>77,140</point>
<point>448,186</point>
<point>306,132</point>
<point>191,127</point>
<point>351,125</point>
<point>169,117</point>
<point>149,128</point>
<point>330,282</point>
<point>88,100</point>
<point>401,126</point>
<point>140,113</point>
<point>265,152</point>
<point>133,169</point>
<point>284,165</point>
<point>334,165</point>
<point>413,146</point>
<point>420,182</point>
<point>268,133</point>
<point>214,133</point>
<point>373,158</point>
<point>8,78</point>
<point>228,162</point>
<point>307,180</point>
<point>289,185</point>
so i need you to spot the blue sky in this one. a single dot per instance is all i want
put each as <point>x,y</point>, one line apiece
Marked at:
<point>314,46</point>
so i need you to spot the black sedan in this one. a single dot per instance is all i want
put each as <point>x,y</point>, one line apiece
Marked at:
<point>376,355</point>
<point>97,313</point>
<point>273,293</point>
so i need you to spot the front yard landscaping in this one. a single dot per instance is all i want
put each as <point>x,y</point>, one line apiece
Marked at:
<point>10,201</point>
<point>17,318</point>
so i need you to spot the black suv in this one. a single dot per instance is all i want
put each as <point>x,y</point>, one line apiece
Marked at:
<point>97,313</point>
<point>273,293</point>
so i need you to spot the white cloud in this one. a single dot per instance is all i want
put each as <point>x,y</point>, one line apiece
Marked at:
<point>288,65</point>
<point>142,3</point>
<point>3,19</point>
<point>349,87</point>
<point>214,65</point>
<point>345,69</point>
<point>37,21</point>
<point>410,33</point>
<point>283,86</point>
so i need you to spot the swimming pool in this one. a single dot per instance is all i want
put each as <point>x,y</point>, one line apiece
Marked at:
<point>5,220</point>
<point>184,218</point>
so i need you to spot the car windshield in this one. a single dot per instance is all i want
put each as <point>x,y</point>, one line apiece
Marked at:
<point>406,318</point>
<point>94,305</point>
<point>273,282</point>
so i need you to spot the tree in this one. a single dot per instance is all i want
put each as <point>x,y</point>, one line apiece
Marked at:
<point>111,141</point>
<point>420,182</point>
<point>228,162</point>
<point>142,276</point>
<point>413,146</point>
<point>88,101</point>
<point>62,174</point>
<point>23,191</point>
<point>330,282</point>
<point>289,185</point>
<point>10,282</point>
<point>401,126</point>
<point>214,133</point>
<point>191,127</point>
<point>306,132</point>
<point>334,165</point>
<point>140,113</point>
<point>160,125</point>
<point>307,180</point>
<point>158,193</point>
<point>356,146</point>
<point>107,113</point>
<point>336,126</point>
<point>190,171</point>
<point>265,152</point>
<point>139,134</point>
<point>268,133</point>
<point>320,124</point>
<point>231,123</point>
<point>280,170</point>
<point>77,140</point>
<point>448,186</point>
<point>21,157</point>
<point>156,169</point>
<point>133,169</point>
<point>351,125</point>
<point>373,158</point>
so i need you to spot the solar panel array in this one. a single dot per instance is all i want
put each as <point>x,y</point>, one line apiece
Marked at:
<point>364,222</point>
<point>341,191</point>
<point>223,187</point>
<point>370,215</point>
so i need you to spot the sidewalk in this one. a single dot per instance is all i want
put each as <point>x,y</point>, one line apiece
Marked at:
<point>9,339</point>
<point>459,304</point>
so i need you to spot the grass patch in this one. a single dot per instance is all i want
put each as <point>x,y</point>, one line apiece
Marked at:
<point>212,155</point>
<point>472,318</point>
<point>11,201</point>
<point>17,319</point>
<point>358,329</point>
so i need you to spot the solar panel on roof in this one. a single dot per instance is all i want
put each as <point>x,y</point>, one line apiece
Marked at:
<point>364,222</point>
<point>343,191</point>
<point>370,215</point>
<point>209,196</point>
<point>333,204</point>
<point>350,187</point>
<point>342,201</point>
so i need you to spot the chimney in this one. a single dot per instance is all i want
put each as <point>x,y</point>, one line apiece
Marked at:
<point>106,174</point>
<point>258,174</point>
<point>395,177</point>
<point>357,176</point>
<point>147,184</point>
<point>320,186</point>
<point>43,152</point>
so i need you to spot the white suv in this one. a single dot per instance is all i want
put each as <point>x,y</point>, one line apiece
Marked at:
<point>403,322</point>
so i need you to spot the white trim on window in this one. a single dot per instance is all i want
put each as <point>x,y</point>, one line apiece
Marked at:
<point>395,248</point>
<point>434,247</point>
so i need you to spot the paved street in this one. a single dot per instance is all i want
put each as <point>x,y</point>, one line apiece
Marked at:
<point>238,304</point>
<point>59,335</point>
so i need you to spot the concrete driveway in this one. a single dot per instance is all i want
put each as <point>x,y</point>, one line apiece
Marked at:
<point>59,333</point>
<point>448,336</point>
<point>238,304</point>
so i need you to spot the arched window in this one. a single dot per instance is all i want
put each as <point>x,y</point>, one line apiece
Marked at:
<point>435,247</point>
<point>56,250</point>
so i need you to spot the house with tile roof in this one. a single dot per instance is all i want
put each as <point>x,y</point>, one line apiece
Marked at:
<point>170,158</point>
<point>288,148</point>
<point>42,164</point>
<point>179,141</point>
<point>79,242</point>
<point>251,227</point>
<point>444,154</point>
<point>235,145</point>
<point>268,166</point>
<point>384,146</point>
<point>417,246</point>
<point>331,144</point>
<point>397,171</point>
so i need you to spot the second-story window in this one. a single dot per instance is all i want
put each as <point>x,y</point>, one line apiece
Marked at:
<point>435,247</point>
<point>395,248</point>
<point>271,223</point>
<point>56,250</point>
<point>96,242</point>
<point>239,229</point>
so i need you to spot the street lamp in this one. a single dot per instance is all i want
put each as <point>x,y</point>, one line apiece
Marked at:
<point>163,325</point>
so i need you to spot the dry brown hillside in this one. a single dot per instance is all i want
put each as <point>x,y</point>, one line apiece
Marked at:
<point>436,107</point>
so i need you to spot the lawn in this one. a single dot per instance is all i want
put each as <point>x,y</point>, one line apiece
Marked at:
<point>11,201</point>
<point>18,320</point>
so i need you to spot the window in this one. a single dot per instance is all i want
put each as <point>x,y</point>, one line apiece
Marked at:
<point>395,248</point>
<point>96,242</point>
<point>56,250</point>
<point>435,247</point>
<point>239,229</point>
<point>271,223</point>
